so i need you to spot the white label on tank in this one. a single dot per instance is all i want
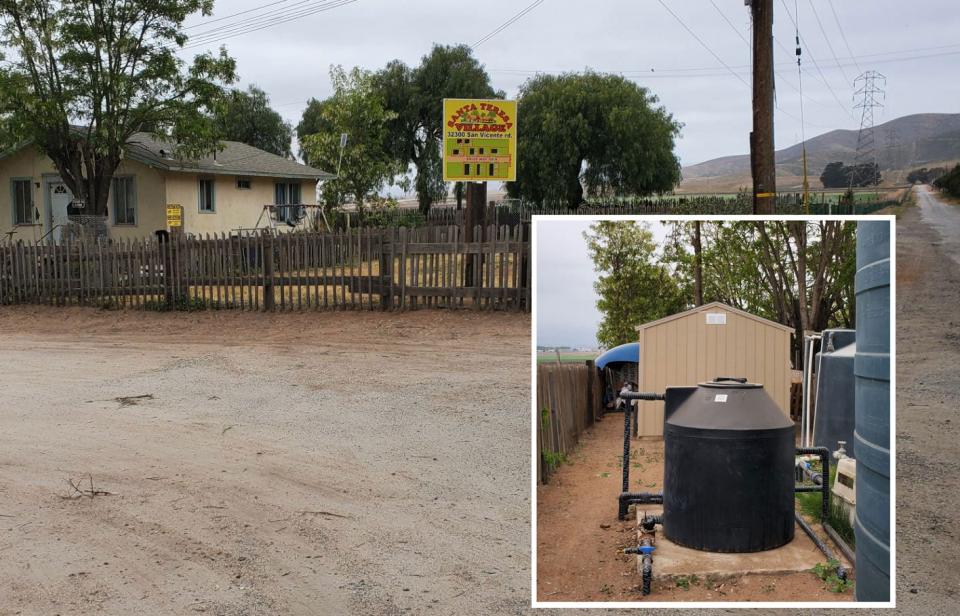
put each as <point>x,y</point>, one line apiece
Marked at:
<point>720,398</point>
<point>716,318</point>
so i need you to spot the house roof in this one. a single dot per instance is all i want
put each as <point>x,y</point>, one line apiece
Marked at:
<point>234,159</point>
<point>714,306</point>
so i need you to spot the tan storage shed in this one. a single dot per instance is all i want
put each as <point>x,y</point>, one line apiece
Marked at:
<point>704,343</point>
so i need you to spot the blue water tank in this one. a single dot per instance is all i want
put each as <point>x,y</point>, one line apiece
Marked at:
<point>872,402</point>
<point>834,416</point>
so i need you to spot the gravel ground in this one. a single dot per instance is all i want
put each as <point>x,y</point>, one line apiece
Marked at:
<point>283,464</point>
<point>230,483</point>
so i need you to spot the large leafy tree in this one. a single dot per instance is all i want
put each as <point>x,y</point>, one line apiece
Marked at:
<point>357,109</point>
<point>634,287</point>
<point>797,273</point>
<point>246,116</point>
<point>82,76</point>
<point>590,130</point>
<point>415,96</point>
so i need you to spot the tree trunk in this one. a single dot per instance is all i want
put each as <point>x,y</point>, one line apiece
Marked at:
<point>574,191</point>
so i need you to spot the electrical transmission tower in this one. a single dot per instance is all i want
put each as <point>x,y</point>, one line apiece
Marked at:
<point>869,95</point>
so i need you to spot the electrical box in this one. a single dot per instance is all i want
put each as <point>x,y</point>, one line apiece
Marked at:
<point>844,488</point>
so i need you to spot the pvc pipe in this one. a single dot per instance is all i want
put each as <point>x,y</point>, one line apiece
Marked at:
<point>630,498</point>
<point>841,571</point>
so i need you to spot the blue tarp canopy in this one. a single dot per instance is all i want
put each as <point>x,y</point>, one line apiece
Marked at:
<point>629,352</point>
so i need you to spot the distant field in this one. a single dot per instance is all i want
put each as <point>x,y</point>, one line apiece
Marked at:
<point>566,358</point>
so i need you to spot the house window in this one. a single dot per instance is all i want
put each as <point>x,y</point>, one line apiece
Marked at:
<point>471,151</point>
<point>22,202</point>
<point>466,169</point>
<point>456,151</point>
<point>494,150</point>
<point>481,150</point>
<point>124,201</point>
<point>288,194</point>
<point>206,196</point>
<point>491,168</point>
<point>243,183</point>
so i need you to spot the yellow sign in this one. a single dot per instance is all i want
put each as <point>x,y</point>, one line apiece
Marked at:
<point>479,140</point>
<point>174,216</point>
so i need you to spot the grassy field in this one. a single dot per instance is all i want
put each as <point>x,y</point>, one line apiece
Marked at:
<point>565,357</point>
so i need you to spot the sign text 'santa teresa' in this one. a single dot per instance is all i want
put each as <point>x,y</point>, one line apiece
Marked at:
<point>480,117</point>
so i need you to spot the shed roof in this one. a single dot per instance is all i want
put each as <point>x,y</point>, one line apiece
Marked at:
<point>714,306</point>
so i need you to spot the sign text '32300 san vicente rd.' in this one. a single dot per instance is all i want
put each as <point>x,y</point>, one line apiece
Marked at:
<point>479,140</point>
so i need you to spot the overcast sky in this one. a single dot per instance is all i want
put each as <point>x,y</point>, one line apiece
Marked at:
<point>915,44</point>
<point>566,303</point>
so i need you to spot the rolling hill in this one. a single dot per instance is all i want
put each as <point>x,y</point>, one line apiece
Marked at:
<point>920,140</point>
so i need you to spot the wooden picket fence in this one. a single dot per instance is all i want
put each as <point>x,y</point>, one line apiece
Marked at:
<point>386,269</point>
<point>569,400</point>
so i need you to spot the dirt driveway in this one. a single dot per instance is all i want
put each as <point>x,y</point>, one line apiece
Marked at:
<point>263,464</point>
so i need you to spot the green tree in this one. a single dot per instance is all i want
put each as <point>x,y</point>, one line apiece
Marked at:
<point>311,123</point>
<point>756,266</point>
<point>357,109</point>
<point>949,182</point>
<point>838,175</point>
<point>247,117</point>
<point>415,96</point>
<point>601,132</point>
<point>83,76</point>
<point>634,287</point>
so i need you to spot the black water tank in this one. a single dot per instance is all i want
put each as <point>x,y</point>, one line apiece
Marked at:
<point>728,468</point>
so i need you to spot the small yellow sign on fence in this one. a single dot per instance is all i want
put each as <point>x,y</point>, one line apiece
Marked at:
<point>479,140</point>
<point>174,215</point>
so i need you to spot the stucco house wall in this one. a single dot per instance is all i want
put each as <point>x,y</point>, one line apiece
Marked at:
<point>156,186</point>
<point>235,208</point>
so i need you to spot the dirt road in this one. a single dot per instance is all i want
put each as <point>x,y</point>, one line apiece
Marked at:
<point>263,464</point>
<point>928,396</point>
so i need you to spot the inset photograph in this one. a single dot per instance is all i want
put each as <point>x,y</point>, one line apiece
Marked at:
<point>713,411</point>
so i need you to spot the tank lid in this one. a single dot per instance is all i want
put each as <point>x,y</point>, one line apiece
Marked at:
<point>729,405</point>
<point>731,382</point>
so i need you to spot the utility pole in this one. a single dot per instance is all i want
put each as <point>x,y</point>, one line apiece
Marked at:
<point>473,216</point>
<point>762,163</point>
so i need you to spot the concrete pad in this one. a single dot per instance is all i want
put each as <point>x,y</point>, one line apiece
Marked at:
<point>672,559</point>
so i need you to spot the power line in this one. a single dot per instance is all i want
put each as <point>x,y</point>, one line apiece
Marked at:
<point>744,39</point>
<point>704,45</point>
<point>713,71</point>
<point>507,23</point>
<point>826,38</point>
<point>207,22</point>
<point>266,20</point>
<point>842,35</point>
<point>814,60</point>
<point>262,22</point>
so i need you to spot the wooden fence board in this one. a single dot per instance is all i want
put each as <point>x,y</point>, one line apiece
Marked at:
<point>360,269</point>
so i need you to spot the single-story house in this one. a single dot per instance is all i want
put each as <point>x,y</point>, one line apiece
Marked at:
<point>222,192</point>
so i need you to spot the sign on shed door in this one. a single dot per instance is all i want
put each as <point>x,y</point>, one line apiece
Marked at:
<point>60,199</point>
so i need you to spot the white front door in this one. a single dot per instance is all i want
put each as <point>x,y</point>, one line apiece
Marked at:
<point>60,199</point>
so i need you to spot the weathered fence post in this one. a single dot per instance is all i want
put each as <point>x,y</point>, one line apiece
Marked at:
<point>386,271</point>
<point>166,257</point>
<point>591,390</point>
<point>268,299</point>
